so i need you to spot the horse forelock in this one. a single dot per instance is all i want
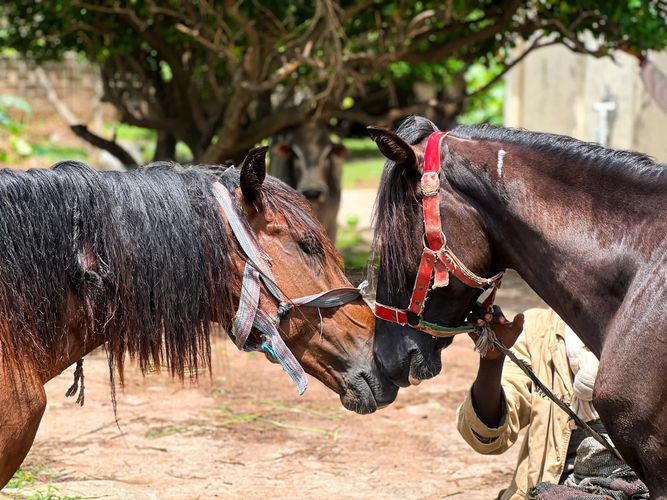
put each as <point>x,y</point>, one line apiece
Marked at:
<point>148,252</point>
<point>397,220</point>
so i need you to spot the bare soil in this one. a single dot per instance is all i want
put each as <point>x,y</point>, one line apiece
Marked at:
<point>244,433</point>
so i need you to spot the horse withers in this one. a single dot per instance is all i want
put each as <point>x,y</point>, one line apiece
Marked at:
<point>307,159</point>
<point>583,225</point>
<point>143,263</point>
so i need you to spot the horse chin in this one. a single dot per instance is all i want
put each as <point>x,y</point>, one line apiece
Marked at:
<point>421,370</point>
<point>367,393</point>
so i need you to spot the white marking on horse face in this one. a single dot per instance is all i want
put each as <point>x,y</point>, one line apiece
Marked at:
<point>501,157</point>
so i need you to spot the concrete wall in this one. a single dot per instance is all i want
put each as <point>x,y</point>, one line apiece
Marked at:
<point>555,90</point>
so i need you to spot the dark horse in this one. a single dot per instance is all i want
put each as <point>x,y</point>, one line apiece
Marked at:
<point>142,263</point>
<point>585,226</point>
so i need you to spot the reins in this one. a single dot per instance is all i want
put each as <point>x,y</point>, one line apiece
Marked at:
<point>544,390</point>
<point>257,271</point>
<point>437,261</point>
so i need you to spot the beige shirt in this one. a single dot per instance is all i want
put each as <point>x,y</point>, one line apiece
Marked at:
<point>544,447</point>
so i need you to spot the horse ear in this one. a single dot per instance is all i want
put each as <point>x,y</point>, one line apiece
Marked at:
<point>253,173</point>
<point>393,147</point>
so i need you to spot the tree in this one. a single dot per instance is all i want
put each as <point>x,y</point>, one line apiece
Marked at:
<point>221,75</point>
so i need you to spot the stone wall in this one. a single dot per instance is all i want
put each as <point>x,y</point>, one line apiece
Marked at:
<point>77,83</point>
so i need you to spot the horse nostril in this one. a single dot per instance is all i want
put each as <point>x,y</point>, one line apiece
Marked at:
<point>312,194</point>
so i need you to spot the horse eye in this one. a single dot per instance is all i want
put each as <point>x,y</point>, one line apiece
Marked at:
<point>309,245</point>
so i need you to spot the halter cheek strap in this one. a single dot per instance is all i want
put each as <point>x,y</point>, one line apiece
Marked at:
<point>437,259</point>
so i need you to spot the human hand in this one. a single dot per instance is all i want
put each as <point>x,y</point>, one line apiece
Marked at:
<point>507,332</point>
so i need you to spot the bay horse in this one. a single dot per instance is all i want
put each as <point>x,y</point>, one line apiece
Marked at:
<point>584,226</point>
<point>143,263</point>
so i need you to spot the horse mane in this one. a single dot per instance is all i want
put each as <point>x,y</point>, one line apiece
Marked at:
<point>148,254</point>
<point>616,162</point>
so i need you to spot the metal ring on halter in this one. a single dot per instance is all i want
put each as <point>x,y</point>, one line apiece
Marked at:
<point>444,243</point>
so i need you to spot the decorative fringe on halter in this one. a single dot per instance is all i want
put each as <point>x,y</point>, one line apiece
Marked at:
<point>486,340</point>
<point>74,388</point>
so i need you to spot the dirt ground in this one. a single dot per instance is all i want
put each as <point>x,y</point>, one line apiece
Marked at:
<point>246,434</point>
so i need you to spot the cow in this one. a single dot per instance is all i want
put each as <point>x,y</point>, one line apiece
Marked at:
<point>307,159</point>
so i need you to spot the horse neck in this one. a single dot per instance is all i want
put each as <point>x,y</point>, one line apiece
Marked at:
<point>560,225</point>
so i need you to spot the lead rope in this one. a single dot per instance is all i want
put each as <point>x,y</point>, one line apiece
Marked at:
<point>74,388</point>
<point>487,339</point>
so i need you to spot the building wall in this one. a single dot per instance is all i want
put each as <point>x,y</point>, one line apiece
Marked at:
<point>554,90</point>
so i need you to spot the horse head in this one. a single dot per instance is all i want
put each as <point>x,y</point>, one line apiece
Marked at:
<point>335,344</point>
<point>406,354</point>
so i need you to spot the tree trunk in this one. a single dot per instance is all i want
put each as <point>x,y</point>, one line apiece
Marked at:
<point>165,146</point>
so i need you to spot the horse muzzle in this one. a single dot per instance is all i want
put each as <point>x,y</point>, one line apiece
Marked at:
<point>367,392</point>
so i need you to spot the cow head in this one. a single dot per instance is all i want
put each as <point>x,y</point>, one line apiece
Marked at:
<point>308,160</point>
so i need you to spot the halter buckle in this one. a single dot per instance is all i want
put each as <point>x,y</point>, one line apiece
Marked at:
<point>430,183</point>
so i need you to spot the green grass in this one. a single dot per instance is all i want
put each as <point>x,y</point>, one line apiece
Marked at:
<point>363,168</point>
<point>130,133</point>
<point>34,483</point>
<point>361,147</point>
<point>362,174</point>
<point>55,152</point>
<point>351,245</point>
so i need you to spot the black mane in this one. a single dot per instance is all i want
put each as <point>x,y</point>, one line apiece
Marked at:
<point>147,252</point>
<point>589,153</point>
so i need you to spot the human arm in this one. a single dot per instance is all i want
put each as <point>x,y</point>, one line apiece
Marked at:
<point>498,405</point>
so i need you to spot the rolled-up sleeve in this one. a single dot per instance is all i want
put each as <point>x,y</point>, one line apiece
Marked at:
<point>516,401</point>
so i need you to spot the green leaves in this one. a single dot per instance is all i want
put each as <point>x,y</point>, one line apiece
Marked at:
<point>182,65</point>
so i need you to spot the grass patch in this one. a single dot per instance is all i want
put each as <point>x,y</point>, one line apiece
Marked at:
<point>168,431</point>
<point>361,147</point>
<point>34,483</point>
<point>321,412</point>
<point>333,434</point>
<point>362,173</point>
<point>56,152</point>
<point>351,245</point>
<point>232,417</point>
<point>364,166</point>
<point>130,133</point>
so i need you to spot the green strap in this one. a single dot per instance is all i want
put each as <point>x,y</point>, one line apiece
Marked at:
<point>451,329</point>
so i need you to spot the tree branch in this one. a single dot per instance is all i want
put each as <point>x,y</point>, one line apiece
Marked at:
<point>80,129</point>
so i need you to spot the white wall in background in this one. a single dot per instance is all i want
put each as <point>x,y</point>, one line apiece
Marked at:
<point>555,90</point>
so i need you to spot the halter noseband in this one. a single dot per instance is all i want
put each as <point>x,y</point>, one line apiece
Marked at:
<point>249,315</point>
<point>437,259</point>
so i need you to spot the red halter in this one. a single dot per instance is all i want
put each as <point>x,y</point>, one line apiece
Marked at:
<point>437,259</point>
